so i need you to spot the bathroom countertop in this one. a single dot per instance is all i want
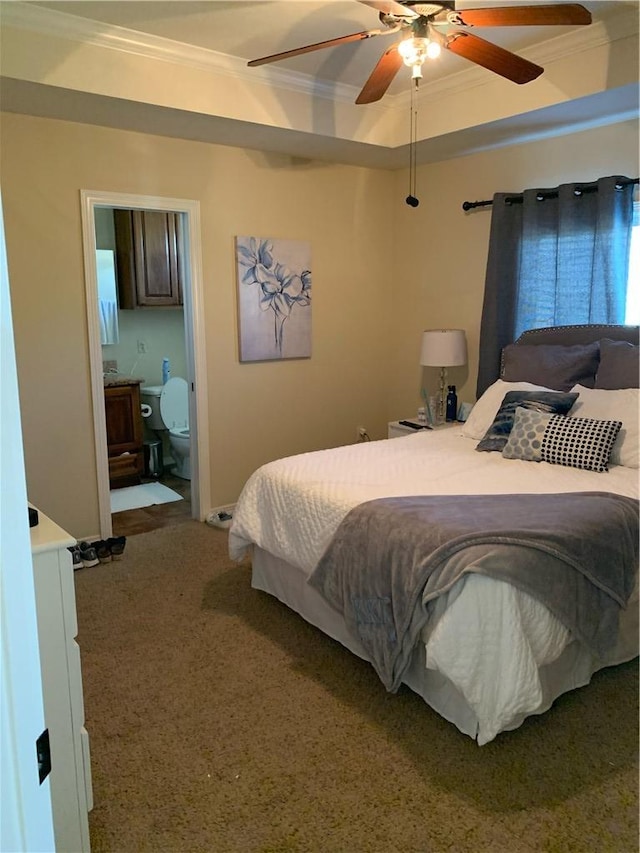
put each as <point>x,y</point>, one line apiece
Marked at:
<point>111,379</point>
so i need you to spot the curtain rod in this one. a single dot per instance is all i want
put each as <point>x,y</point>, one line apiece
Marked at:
<point>517,199</point>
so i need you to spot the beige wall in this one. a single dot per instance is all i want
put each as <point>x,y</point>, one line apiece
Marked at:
<point>381,273</point>
<point>257,411</point>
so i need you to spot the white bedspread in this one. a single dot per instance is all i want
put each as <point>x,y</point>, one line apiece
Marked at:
<point>487,637</point>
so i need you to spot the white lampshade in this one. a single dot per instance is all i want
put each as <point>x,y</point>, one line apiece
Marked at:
<point>443,348</point>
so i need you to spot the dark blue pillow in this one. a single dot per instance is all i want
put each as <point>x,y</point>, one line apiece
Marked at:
<point>550,402</point>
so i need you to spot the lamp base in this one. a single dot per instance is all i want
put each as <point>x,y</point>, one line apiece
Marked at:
<point>440,414</point>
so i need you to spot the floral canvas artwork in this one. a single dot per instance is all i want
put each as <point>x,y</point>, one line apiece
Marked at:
<point>274,298</point>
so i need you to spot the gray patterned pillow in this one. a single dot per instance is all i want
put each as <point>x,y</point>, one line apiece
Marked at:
<point>527,432</point>
<point>551,402</point>
<point>576,442</point>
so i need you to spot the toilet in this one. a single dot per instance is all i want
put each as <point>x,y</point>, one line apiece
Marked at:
<point>169,406</point>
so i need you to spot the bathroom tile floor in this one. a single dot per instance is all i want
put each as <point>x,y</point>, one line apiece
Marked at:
<point>133,521</point>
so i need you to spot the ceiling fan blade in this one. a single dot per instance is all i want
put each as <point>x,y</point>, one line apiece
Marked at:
<point>287,54</point>
<point>381,77</point>
<point>561,14</point>
<point>390,7</point>
<point>495,58</point>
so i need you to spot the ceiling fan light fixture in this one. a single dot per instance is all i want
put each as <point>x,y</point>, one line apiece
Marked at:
<point>415,50</point>
<point>434,50</point>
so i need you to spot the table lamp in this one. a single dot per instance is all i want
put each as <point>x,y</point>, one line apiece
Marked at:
<point>443,348</point>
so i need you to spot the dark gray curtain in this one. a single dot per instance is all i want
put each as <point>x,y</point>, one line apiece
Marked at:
<point>558,257</point>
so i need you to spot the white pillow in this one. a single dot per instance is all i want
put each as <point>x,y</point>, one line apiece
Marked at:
<point>620,405</point>
<point>484,411</point>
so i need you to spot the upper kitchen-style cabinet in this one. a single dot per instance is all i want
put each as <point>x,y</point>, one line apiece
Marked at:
<point>147,258</point>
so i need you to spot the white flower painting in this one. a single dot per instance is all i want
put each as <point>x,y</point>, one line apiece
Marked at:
<point>274,298</point>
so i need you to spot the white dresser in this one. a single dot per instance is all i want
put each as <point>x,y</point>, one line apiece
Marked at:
<point>71,792</point>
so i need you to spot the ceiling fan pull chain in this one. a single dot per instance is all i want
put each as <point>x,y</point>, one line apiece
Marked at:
<point>414,143</point>
<point>411,199</point>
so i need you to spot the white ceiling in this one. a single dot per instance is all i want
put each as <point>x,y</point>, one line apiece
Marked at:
<point>250,29</point>
<point>240,30</point>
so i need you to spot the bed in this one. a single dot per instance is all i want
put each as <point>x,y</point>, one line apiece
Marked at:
<point>484,648</point>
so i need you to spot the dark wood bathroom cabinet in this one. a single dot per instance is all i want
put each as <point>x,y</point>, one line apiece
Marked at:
<point>124,434</point>
<point>148,259</point>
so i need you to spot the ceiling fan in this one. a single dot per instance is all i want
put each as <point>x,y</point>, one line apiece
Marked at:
<point>432,26</point>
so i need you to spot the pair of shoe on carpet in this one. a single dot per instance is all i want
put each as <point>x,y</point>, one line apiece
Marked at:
<point>85,554</point>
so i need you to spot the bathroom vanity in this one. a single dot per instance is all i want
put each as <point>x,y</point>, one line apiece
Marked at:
<point>124,430</point>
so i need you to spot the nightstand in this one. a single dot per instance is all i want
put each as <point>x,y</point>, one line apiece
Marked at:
<point>397,430</point>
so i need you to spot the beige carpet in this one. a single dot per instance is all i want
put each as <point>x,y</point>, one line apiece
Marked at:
<point>221,722</point>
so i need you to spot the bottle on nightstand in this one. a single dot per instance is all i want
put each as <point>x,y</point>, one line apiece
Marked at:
<point>452,404</point>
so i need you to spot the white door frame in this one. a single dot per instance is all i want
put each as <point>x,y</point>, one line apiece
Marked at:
<point>27,822</point>
<point>194,337</point>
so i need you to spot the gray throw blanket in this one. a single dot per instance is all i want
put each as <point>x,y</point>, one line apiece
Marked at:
<point>577,553</point>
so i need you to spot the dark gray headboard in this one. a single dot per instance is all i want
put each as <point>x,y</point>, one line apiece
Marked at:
<point>560,357</point>
<point>585,334</point>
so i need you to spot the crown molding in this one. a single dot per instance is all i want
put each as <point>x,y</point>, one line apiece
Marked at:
<point>51,22</point>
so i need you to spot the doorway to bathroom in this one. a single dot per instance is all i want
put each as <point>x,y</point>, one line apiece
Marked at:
<point>149,344</point>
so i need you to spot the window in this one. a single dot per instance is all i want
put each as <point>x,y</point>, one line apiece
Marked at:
<point>632,312</point>
<point>559,257</point>
<point>570,270</point>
